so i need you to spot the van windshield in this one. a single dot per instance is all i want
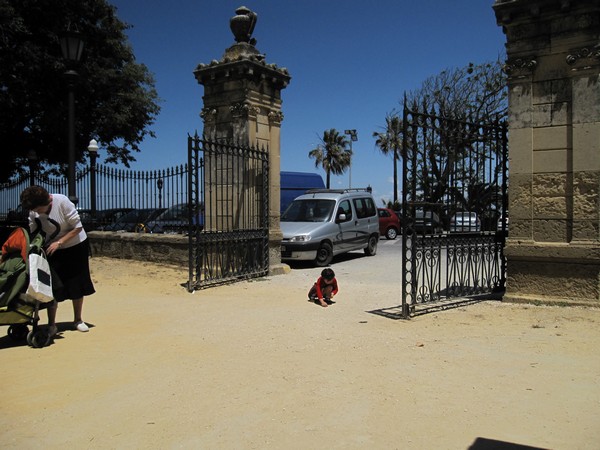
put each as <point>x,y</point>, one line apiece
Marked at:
<point>309,210</point>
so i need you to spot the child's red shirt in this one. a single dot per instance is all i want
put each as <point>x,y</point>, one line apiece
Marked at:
<point>321,284</point>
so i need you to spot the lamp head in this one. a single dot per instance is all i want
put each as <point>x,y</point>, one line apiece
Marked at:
<point>71,45</point>
<point>353,135</point>
<point>93,146</point>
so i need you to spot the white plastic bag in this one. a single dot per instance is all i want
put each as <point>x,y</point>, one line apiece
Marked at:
<point>40,279</point>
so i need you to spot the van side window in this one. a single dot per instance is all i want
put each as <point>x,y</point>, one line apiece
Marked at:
<point>365,207</point>
<point>344,208</point>
<point>371,208</point>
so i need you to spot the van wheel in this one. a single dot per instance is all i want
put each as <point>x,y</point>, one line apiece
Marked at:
<point>391,233</point>
<point>324,255</point>
<point>371,248</point>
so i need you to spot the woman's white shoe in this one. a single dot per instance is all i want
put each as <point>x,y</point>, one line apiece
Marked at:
<point>81,326</point>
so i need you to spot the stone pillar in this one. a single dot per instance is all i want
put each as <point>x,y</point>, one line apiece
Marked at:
<point>553,66</point>
<point>242,104</point>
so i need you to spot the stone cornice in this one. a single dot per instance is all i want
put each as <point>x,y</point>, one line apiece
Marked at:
<point>243,109</point>
<point>275,117</point>
<point>509,11</point>
<point>577,252</point>
<point>584,58</point>
<point>208,114</point>
<point>242,68</point>
<point>520,67</point>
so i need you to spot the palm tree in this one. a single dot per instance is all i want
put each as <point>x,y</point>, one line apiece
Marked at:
<point>390,142</point>
<point>332,154</point>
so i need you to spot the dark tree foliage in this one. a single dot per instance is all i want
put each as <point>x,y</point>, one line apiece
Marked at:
<point>115,97</point>
<point>476,92</point>
<point>457,147</point>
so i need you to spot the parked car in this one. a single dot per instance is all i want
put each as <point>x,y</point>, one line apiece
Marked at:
<point>135,220</point>
<point>463,222</point>
<point>327,222</point>
<point>18,216</point>
<point>389,223</point>
<point>426,222</point>
<point>100,219</point>
<point>175,220</point>
<point>502,220</point>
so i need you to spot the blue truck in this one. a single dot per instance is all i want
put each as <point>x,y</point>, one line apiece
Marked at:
<point>294,184</point>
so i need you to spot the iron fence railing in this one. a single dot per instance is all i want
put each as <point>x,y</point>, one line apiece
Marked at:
<point>230,184</point>
<point>100,187</point>
<point>454,205</point>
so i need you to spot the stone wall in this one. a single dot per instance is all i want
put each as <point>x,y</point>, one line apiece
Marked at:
<point>553,67</point>
<point>170,249</point>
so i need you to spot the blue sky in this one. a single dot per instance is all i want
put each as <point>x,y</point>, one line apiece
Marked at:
<point>350,62</point>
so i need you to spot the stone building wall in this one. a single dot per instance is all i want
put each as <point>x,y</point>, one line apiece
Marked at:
<point>242,103</point>
<point>553,65</point>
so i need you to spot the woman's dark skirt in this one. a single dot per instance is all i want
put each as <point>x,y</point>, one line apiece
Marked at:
<point>71,272</point>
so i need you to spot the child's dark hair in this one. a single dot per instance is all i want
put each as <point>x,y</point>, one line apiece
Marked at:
<point>328,274</point>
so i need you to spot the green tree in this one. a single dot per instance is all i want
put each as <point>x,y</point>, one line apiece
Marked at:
<point>332,154</point>
<point>389,142</point>
<point>116,100</point>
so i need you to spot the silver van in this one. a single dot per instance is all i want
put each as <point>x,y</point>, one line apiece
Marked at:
<point>326,222</point>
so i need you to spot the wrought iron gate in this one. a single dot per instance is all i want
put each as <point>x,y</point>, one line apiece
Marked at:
<point>454,213</point>
<point>229,229</point>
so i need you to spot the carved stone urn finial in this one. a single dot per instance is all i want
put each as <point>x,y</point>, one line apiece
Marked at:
<point>242,25</point>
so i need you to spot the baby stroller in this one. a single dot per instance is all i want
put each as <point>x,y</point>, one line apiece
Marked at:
<point>17,308</point>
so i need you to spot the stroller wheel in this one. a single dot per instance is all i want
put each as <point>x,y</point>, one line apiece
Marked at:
<point>18,332</point>
<point>38,338</point>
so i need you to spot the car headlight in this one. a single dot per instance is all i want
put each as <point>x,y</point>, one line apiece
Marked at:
<point>301,238</point>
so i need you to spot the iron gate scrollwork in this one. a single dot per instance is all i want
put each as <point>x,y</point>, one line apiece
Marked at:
<point>228,223</point>
<point>454,210</point>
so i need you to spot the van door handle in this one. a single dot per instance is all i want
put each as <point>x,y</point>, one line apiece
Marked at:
<point>356,222</point>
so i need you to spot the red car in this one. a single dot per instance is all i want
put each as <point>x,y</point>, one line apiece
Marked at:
<point>389,223</point>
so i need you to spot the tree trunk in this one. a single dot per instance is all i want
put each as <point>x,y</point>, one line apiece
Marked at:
<point>395,178</point>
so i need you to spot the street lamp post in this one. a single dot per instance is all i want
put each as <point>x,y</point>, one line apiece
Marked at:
<point>353,138</point>
<point>71,45</point>
<point>159,185</point>
<point>93,150</point>
<point>32,159</point>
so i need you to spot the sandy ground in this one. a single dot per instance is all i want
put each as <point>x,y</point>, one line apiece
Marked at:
<point>256,366</point>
